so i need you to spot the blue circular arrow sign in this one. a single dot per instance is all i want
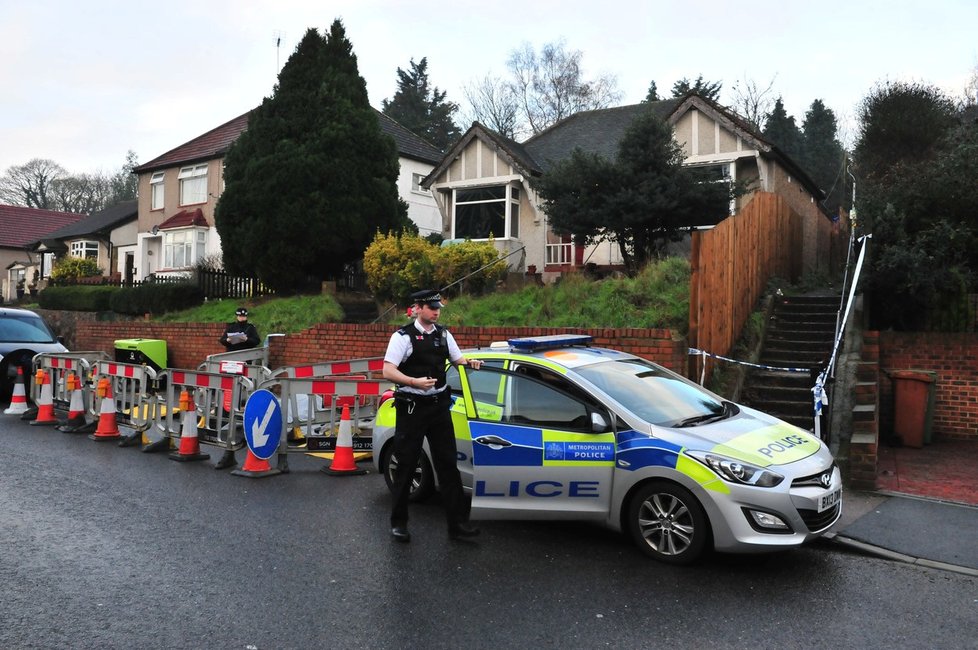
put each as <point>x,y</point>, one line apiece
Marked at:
<point>263,423</point>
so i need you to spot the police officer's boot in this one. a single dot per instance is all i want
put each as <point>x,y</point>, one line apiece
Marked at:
<point>227,460</point>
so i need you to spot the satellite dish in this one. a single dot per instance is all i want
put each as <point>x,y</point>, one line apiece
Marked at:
<point>155,230</point>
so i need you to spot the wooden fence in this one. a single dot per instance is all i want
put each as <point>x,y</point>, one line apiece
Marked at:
<point>731,265</point>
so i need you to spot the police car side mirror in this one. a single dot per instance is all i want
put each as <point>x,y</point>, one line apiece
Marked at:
<point>598,423</point>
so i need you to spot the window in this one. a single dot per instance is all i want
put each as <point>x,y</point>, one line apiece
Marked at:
<point>183,248</point>
<point>156,191</point>
<point>482,212</point>
<point>84,249</point>
<point>517,399</point>
<point>416,180</point>
<point>193,184</point>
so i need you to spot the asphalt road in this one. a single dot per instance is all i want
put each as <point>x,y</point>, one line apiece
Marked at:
<point>103,547</point>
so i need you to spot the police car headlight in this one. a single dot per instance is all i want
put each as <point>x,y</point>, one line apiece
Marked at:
<point>737,471</point>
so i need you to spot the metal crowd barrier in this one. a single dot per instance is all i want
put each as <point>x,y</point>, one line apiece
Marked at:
<point>58,366</point>
<point>312,414</point>
<point>133,389</point>
<point>323,424</point>
<point>220,418</point>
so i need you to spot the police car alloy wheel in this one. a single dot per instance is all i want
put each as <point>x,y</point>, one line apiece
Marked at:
<point>423,482</point>
<point>667,523</point>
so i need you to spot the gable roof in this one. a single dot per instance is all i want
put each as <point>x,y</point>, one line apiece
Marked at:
<point>21,226</point>
<point>216,142</point>
<point>97,222</point>
<point>598,131</point>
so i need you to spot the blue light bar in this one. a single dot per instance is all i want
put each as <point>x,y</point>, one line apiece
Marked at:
<point>534,343</point>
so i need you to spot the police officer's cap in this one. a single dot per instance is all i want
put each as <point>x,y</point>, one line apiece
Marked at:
<point>240,311</point>
<point>428,297</point>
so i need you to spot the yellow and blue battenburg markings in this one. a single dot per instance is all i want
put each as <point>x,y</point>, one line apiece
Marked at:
<point>773,445</point>
<point>638,451</point>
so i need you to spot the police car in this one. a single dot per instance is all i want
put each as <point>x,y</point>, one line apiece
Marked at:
<point>551,428</point>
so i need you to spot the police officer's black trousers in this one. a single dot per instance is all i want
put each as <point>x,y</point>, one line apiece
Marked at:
<point>415,421</point>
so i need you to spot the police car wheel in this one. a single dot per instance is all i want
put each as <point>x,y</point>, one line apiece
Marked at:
<point>423,482</point>
<point>668,523</point>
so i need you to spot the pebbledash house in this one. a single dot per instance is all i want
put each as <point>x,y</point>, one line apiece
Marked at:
<point>178,193</point>
<point>482,185</point>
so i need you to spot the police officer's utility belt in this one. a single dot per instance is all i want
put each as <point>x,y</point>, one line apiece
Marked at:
<point>404,396</point>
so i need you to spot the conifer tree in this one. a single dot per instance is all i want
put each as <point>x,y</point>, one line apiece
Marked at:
<point>780,129</point>
<point>421,109</point>
<point>313,178</point>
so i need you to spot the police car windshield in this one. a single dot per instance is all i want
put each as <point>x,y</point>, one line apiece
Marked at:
<point>654,394</point>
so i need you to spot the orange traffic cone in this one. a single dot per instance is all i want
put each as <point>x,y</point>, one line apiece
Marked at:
<point>255,467</point>
<point>45,403</point>
<point>107,428</point>
<point>189,442</point>
<point>76,405</point>
<point>18,401</point>
<point>343,463</point>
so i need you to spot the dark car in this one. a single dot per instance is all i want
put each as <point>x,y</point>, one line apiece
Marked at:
<point>23,334</point>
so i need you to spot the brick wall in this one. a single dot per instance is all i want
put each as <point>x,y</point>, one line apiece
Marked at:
<point>189,343</point>
<point>954,357</point>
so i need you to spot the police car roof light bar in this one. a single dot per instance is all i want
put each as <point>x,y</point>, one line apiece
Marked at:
<point>533,343</point>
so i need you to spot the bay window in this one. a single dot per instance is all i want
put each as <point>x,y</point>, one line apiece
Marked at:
<point>84,249</point>
<point>481,212</point>
<point>183,248</point>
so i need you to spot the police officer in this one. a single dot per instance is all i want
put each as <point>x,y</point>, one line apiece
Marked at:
<point>239,335</point>
<point>416,359</point>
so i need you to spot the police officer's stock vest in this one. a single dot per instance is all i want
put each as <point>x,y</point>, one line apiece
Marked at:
<point>429,353</point>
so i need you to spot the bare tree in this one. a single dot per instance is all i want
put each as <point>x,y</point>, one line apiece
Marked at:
<point>492,103</point>
<point>30,185</point>
<point>752,101</point>
<point>542,88</point>
<point>83,194</point>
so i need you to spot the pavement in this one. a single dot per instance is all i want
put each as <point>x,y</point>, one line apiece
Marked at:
<point>924,510</point>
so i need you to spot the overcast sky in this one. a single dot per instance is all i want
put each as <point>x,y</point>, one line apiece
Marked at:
<point>84,81</point>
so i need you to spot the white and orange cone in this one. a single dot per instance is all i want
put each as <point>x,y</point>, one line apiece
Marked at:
<point>18,401</point>
<point>255,467</point>
<point>76,405</point>
<point>189,442</point>
<point>45,402</point>
<point>107,428</point>
<point>343,462</point>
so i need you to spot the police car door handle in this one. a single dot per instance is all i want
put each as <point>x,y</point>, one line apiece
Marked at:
<point>493,441</point>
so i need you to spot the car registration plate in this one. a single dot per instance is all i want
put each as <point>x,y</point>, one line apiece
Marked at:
<point>826,501</point>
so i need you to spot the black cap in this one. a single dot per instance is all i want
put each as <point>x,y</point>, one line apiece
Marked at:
<point>240,311</point>
<point>428,297</point>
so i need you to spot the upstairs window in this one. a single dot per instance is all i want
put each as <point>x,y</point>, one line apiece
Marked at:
<point>183,248</point>
<point>416,180</point>
<point>156,191</point>
<point>193,184</point>
<point>84,249</point>
<point>482,212</point>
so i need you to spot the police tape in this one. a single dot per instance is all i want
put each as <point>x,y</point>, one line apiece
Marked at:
<point>703,353</point>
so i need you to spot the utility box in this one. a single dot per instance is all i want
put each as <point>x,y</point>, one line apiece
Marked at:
<point>150,352</point>
<point>913,402</point>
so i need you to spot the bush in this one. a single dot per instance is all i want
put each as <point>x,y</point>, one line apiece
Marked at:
<point>156,298</point>
<point>78,298</point>
<point>396,265</point>
<point>70,268</point>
